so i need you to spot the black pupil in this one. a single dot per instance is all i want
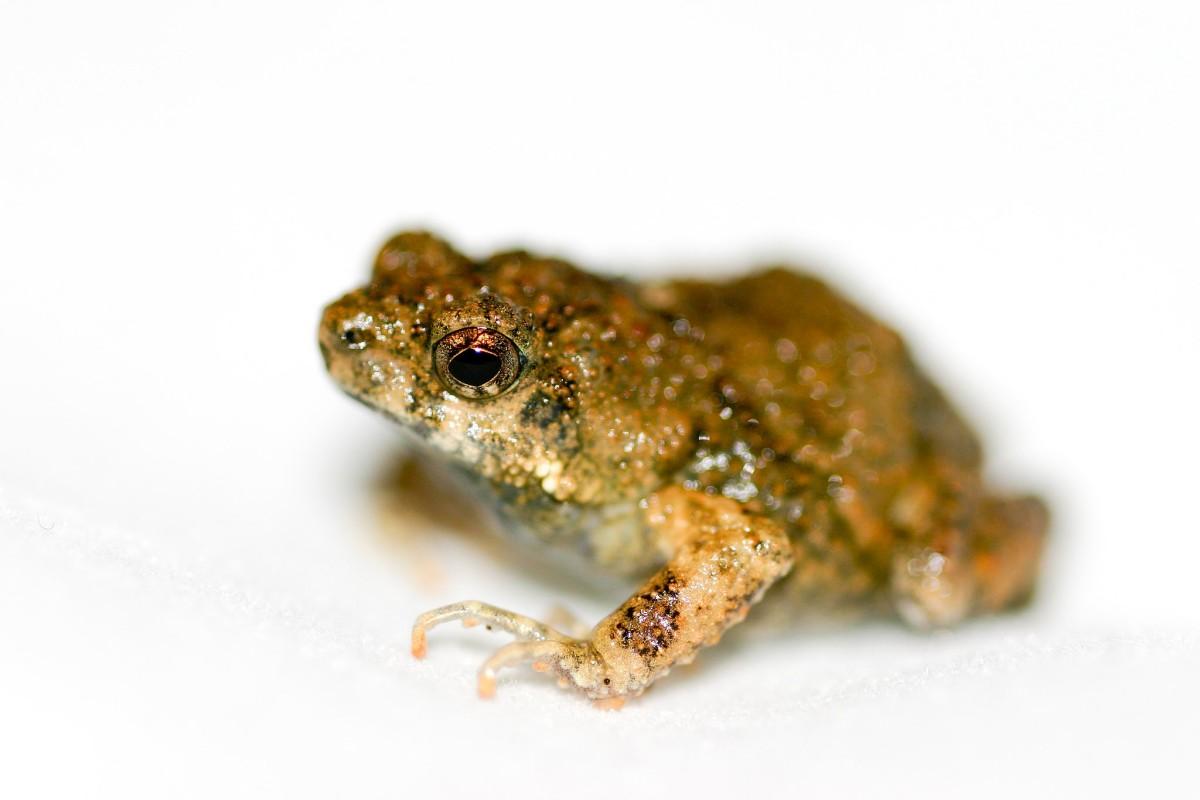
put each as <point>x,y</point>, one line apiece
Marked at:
<point>474,367</point>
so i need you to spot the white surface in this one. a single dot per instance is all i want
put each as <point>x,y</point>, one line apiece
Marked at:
<point>194,596</point>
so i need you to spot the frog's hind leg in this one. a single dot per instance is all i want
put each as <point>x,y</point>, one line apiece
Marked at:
<point>969,558</point>
<point>1006,550</point>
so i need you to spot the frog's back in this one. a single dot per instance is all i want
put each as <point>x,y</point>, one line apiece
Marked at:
<point>819,416</point>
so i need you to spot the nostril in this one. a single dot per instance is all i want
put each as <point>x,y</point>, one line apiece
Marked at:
<point>346,326</point>
<point>354,338</point>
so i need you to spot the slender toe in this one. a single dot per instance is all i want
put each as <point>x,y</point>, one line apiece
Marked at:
<point>419,644</point>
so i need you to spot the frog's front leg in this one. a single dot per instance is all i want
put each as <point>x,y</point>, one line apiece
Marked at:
<point>473,612</point>
<point>721,559</point>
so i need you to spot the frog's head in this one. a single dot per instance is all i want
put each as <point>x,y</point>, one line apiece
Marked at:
<point>522,370</point>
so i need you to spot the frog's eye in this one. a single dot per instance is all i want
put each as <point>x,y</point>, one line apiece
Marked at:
<point>477,362</point>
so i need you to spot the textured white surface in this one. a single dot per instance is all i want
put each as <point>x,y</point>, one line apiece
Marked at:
<point>195,594</point>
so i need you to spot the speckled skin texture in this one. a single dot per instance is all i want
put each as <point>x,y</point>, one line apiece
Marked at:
<point>729,435</point>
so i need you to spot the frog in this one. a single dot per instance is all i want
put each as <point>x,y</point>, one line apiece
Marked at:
<point>706,439</point>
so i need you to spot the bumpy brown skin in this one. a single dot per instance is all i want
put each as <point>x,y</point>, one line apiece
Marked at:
<point>724,433</point>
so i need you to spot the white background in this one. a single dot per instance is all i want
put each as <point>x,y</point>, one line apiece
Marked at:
<point>196,598</point>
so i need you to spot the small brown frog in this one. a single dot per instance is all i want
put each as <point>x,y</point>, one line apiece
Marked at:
<point>724,437</point>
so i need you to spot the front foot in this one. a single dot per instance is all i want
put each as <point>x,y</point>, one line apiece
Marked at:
<point>574,659</point>
<point>723,559</point>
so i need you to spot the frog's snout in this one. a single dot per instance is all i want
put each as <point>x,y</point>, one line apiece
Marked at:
<point>328,339</point>
<point>343,332</point>
<point>344,329</point>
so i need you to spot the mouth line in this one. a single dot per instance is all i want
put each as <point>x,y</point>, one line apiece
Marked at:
<point>407,425</point>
